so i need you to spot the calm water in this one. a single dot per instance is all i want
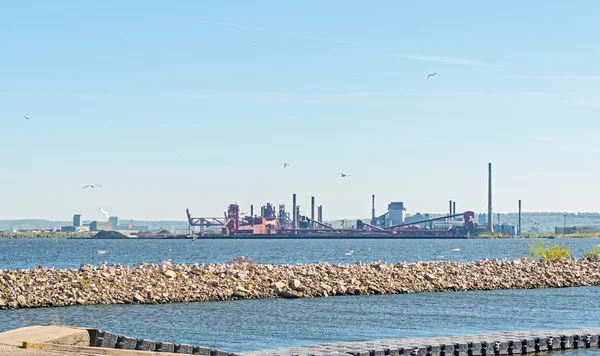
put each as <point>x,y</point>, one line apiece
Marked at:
<point>62,253</point>
<point>274,323</point>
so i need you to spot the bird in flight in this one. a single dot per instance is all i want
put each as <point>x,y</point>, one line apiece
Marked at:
<point>26,117</point>
<point>92,186</point>
<point>286,165</point>
<point>343,174</point>
<point>431,75</point>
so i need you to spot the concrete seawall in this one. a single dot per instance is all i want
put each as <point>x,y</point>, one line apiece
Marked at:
<point>95,341</point>
<point>45,287</point>
<point>496,344</point>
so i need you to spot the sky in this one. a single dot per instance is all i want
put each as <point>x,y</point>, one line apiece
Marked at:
<point>197,104</point>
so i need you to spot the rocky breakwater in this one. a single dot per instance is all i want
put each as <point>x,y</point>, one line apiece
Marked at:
<point>44,287</point>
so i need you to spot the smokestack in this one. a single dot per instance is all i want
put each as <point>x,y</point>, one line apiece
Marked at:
<point>321,213</point>
<point>450,207</point>
<point>453,208</point>
<point>490,216</point>
<point>312,211</point>
<point>519,217</point>
<point>294,211</point>
<point>252,210</point>
<point>373,211</point>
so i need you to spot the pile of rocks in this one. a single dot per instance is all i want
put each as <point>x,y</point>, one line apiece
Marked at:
<point>44,287</point>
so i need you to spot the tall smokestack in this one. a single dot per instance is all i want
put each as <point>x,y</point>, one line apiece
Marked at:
<point>373,210</point>
<point>519,217</point>
<point>294,211</point>
<point>252,210</point>
<point>321,213</point>
<point>312,211</point>
<point>490,216</point>
<point>450,207</point>
<point>453,208</point>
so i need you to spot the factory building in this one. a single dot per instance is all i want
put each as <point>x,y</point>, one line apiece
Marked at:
<point>396,213</point>
<point>482,219</point>
<point>114,222</point>
<point>505,229</point>
<point>419,217</point>
<point>78,225</point>
<point>100,225</point>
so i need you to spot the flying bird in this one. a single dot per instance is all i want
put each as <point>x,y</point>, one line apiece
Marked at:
<point>286,165</point>
<point>26,117</point>
<point>104,213</point>
<point>92,186</point>
<point>431,75</point>
<point>343,174</point>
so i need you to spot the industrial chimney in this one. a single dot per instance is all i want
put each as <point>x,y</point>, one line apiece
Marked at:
<point>490,216</point>
<point>373,211</point>
<point>294,211</point>
<point>519,217</point>
<point>450,208</point>
<point>453,208</point>
<point>312,211</point>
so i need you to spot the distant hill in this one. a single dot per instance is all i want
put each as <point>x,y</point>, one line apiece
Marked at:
<point>50,224</point>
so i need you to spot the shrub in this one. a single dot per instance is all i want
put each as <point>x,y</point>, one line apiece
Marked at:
<point>593,253</point>
<point>540,249</point>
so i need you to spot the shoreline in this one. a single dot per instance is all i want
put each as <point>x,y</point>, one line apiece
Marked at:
<point>242,279</point>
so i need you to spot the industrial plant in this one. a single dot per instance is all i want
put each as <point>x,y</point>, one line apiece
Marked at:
<point>279,222</point>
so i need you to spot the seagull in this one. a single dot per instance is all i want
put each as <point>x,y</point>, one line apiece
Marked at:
<point>343,174</point>
<point>26,117</point>
<point>286,165</point>
<point>104,213</point>
<point>431,75</point>
<point>349,253</point>
<point>92,186</point>
<point>101,252</point>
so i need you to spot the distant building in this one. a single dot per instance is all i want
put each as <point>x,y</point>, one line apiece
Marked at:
<point>419,217</point>
<point>74,228</point>
<point>77,221</point>
<point>133,228</point>
<point>509,230</point>
<point>482,219</point>
<point>100,225</point>
<point>114,221</point>
<point>396,213</point>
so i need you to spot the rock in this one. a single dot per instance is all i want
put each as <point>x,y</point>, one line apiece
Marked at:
<point>430,277</point>
<point>278,287</point>
<point>80,301</point>
<point>21,300</point>
<point>85,267</point>
<point>295,284</point>
<point>138,298</point>
<point>288,295</point>
<point>170,274</point>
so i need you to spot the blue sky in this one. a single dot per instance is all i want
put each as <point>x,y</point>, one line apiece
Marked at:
<point>197,104</point>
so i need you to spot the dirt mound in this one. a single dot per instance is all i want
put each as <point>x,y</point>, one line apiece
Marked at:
<point>110,235</point>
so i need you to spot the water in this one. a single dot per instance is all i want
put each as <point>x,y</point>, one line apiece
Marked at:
<point>274,323</point>
<point>62,253</point>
